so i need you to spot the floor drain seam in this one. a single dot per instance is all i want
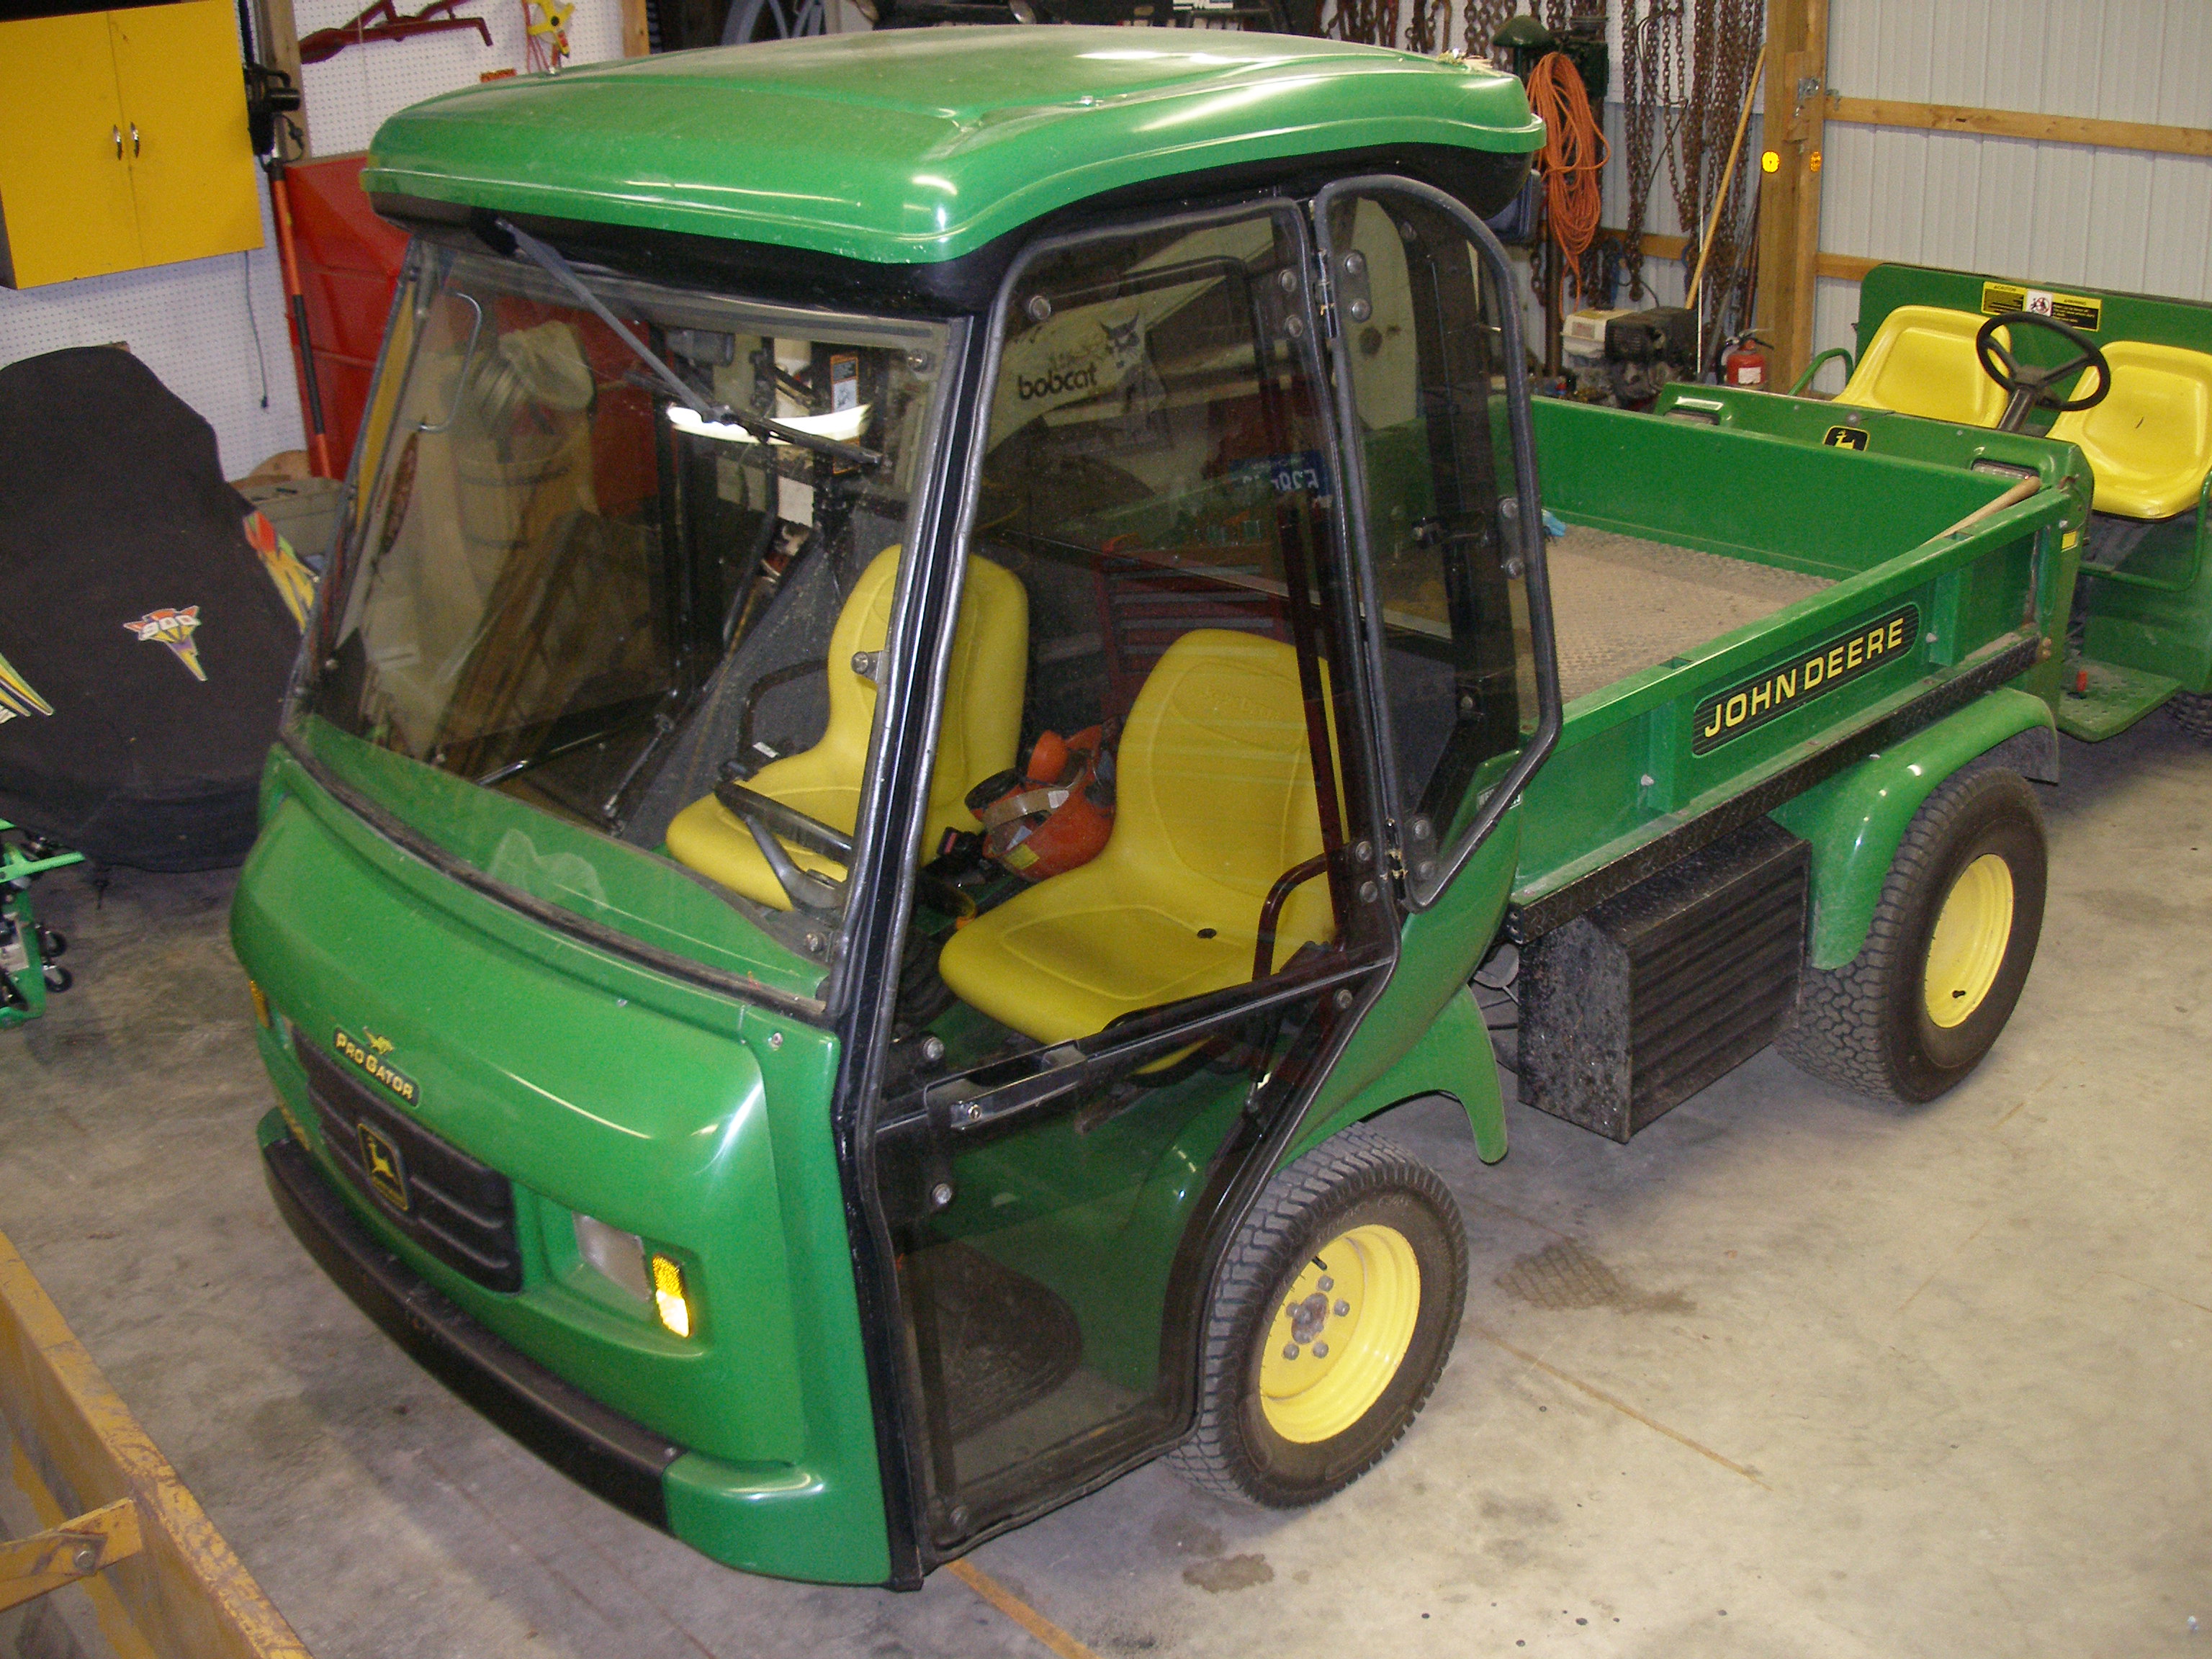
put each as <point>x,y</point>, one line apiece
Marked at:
<point>1618,1404</point>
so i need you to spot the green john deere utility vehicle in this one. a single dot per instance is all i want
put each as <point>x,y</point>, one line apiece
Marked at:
<point>2120,385</point>
<point>944,668</point>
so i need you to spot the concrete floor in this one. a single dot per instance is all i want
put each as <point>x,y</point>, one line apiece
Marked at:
<point>1791,1375</point>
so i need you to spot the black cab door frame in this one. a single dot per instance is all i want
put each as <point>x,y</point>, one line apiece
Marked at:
<point>1425,868</point>
<point>896,1138</point>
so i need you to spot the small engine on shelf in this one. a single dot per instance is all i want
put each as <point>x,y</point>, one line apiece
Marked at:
<point>1623,358</point>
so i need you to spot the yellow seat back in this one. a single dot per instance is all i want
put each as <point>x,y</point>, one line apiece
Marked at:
<point>980,725</point>
<point>2149,443</point>
<point>1217,800</point>
<point>1922,363</point>
<point>1215,771</point>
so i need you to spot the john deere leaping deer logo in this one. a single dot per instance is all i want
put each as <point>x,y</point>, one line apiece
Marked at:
<point>17,698</point>
<point>385,1169</point>
<point>174,629</point>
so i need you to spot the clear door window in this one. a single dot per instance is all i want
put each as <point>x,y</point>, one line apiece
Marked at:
<point>1422,314</point>
<point>1131,961</point>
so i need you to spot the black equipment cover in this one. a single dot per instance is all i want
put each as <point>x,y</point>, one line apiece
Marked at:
<point>143,652</point>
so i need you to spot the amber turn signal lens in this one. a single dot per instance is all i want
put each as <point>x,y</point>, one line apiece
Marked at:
<point>668,1296</point>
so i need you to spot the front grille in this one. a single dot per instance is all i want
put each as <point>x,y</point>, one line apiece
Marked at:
<point>460,1211</point>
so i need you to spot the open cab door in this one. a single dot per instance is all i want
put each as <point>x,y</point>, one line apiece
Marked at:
<point>1432,394</point>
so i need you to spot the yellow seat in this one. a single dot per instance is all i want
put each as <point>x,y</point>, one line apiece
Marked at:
<point>1216,800</point>
<point>1922,363</point>
<point>2149,443</point>
<point>976,738</point>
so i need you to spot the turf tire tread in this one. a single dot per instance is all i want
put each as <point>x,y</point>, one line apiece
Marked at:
<point>1350,1165</point>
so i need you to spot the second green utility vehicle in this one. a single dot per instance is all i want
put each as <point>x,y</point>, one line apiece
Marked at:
<point>944,668</point>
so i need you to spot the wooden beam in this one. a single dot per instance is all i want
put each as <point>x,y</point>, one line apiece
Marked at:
<point>1790,196</point>
<point>1849,267</point>
<point>2022,123</point>
<point>637,39</point>
<point>78,1447</point>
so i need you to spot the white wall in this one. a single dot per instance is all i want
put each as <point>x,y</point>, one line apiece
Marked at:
<point>212,329</point>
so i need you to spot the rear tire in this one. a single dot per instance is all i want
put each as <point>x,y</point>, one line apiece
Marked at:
<point>2192,712</point>
<point>1354,1257</point>
<point>1952,938</point>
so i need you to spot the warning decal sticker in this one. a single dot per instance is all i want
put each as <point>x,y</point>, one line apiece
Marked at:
<point>2082,311</point>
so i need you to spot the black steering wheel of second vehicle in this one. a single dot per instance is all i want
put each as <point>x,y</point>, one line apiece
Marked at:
<point>2027,384</point>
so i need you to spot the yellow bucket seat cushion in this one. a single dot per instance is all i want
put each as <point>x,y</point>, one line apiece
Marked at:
<point>1922,363</point>
<point>1216,800</point>
<point>2149,443</point>
<point>980,725</point>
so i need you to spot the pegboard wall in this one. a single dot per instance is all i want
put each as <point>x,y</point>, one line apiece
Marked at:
<point>214,330</point>
<point>348,96</point>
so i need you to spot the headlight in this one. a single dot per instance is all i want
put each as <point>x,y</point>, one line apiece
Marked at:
<point>649,1276</point>
<point>618,1254</point>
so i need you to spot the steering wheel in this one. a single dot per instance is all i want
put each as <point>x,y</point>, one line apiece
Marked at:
<point>768,818</point>
<point>2026,385</point>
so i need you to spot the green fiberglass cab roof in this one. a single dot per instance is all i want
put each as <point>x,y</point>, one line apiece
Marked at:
<point>909,146</point>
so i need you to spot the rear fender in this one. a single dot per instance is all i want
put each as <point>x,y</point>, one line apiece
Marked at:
<point>1855,820</point>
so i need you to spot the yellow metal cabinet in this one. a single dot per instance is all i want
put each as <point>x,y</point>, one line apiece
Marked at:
<point>122,142</point>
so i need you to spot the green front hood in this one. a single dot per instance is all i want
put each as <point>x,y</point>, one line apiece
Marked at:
<point>911,146</point>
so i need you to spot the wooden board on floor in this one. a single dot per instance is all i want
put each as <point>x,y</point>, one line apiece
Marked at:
<point>77,1448</point>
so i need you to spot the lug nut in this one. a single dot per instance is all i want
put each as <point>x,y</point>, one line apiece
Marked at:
<point>1327,1283</point>
<point>1321,1351</point>
<point>1291,1351</point>
<point>1342,1309</point>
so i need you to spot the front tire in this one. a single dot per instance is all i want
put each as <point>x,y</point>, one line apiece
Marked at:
<point>1332,1316</point>
<point>1952,938</point>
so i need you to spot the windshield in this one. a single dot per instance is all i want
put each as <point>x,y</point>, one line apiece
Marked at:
<point>568,588</point>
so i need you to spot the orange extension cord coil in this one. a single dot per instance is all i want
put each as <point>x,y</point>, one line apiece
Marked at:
<point>1572,160</point>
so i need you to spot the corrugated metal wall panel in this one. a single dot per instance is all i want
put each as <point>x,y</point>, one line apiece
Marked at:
<point>2054,213</point>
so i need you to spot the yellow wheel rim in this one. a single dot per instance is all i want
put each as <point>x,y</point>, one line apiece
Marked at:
<point>1340,1333</point>
<point>1968,945</point>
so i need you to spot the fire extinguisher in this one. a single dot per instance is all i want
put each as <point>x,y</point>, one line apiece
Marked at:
<point>1743,360</point>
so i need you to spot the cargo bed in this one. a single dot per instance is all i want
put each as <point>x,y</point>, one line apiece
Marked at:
<point>1740,616</point>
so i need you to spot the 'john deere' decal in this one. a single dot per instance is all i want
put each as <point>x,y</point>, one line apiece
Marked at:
<point>1845,437</point>
<point>174,629</point>
<point>359,1053</point>
<point>16,697</point>
<point>1741,708</point>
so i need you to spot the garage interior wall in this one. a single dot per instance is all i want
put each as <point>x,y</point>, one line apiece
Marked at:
<point>214,330</point>
<point>2049,212</point>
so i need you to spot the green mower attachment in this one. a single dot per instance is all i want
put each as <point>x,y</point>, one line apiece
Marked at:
<point>27,969</point>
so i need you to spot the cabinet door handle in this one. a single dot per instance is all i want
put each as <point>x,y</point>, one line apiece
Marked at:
<point>134,138</point>
<point>117,131</point>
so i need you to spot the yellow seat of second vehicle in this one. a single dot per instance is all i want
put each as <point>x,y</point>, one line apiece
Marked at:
<point>982,718</point>
<point>1215,801</point>
<point>2149,443</point>
<point>1922,363</point>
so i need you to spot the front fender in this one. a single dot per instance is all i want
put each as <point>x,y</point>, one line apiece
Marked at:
<point>1426,1034</point>
<point>1855,820</point>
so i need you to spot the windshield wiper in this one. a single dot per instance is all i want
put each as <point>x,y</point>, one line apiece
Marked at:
<point>550,262</point>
